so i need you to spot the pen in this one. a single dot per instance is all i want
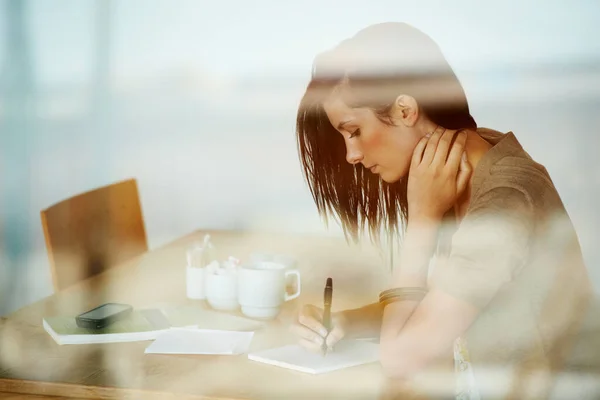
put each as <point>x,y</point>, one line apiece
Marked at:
<point>327,295</point>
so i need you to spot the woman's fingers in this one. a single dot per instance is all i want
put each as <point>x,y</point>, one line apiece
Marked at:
<point>336,334</point>
<point>309,329</point>
<point>311,332</point>
<point>311,317</point>
<point>454,153</point>
<point>307,334</point>
<point>418,152</point>
<point>311,346</point>
<point>445,144</point>
<point>314,342</point>
<point>464,174</point>
<point>457,163</point>
<point>431,147</point>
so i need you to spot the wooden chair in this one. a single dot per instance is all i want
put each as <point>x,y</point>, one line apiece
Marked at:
<point>93,231</point>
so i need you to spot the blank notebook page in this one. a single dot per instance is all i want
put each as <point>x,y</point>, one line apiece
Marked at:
<point>347,353</point>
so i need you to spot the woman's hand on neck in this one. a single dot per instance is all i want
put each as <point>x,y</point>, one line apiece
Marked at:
<point>475,148</point>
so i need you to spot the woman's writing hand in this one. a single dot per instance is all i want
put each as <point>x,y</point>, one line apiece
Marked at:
<point>439,174</point>
<point>309,328</point>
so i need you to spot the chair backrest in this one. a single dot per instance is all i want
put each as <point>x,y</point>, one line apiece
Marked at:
<point>93,231</point>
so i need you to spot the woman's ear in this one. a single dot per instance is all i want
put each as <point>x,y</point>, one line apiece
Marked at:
<point>405,110</point>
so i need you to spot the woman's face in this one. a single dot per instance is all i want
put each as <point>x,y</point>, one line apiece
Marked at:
<point>383,149</point>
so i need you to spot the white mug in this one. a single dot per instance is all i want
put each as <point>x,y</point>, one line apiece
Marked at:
<point>262,288</point>
<point>221,289</point>
<point>194,279</point>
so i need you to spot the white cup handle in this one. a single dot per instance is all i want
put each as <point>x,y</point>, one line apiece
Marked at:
<point>298,284</point>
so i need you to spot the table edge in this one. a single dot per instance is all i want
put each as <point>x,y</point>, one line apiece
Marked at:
<point>81,391</point>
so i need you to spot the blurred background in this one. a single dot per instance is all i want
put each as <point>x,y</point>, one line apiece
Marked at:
<point>197,101</point>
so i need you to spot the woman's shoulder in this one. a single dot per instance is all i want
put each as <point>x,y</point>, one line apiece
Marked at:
<point>507,166</point>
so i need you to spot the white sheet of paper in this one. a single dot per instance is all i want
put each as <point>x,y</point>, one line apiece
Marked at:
<point>200,341</point>
<point>347,353</point>
<point>211,319</point>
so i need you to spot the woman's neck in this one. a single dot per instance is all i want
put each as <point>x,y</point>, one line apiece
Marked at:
<point>476,147</point>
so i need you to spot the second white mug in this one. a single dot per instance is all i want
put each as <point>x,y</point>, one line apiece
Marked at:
<point>221,286</point>
<point>262,288</point>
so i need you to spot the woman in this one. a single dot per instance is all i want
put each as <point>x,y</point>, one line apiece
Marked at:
<point>387,141</point>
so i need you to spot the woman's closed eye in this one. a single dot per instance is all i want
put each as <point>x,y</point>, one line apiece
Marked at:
<point>355,133</point>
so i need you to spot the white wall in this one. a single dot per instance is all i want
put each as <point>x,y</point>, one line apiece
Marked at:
<point>203,99</point>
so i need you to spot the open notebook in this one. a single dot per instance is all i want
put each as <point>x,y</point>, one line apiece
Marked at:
<point>145,324</point>
<point>348,353</point>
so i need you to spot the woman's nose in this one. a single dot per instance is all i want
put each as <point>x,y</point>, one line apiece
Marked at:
<point>353,155</point>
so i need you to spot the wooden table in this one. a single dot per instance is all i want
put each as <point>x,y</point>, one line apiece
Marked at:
<point>31,362</point>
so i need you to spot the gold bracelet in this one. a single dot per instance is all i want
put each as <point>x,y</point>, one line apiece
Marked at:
<point>400,294</point>
<point>395,291</point>
<point>401,291</point>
